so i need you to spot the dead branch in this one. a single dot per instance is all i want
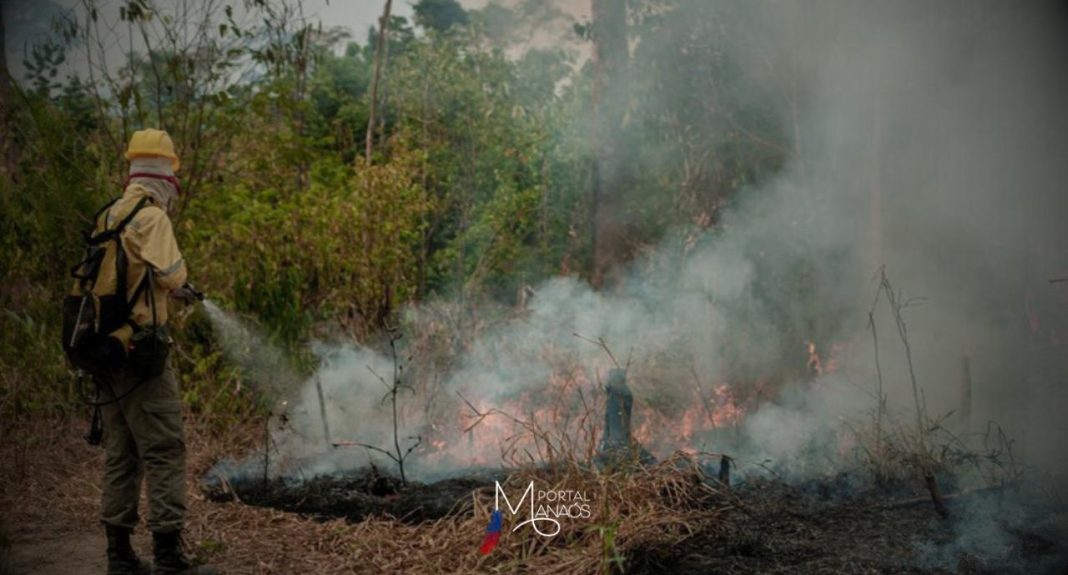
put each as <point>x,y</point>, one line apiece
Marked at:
<point>397,455</point>
<point>700,394</point>
<point>923,453</point>
<point>383,26</point>
<point>599,342</point>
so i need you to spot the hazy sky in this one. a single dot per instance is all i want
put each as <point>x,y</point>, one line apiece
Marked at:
<point>28,21</point>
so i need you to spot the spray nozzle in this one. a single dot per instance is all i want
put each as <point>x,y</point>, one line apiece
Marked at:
<point>188,293</point>
<point>196,293</point>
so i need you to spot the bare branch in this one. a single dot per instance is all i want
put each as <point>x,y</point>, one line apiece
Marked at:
<point>599,342</point>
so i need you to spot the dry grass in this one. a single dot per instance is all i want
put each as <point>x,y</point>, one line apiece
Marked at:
<point>50,477</point>
<point>658,505</point>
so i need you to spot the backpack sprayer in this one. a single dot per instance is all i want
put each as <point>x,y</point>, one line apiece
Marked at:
<point>147,357</point>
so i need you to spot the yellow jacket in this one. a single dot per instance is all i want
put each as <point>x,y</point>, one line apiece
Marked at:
<point>149,243</point>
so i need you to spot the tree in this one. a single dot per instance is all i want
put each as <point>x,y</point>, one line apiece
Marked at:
<point>439,15</point>
<point>7,144</point>
<point>383,27</point>
<point>610,55</point>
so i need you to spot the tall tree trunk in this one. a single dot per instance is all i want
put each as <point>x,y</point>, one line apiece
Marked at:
<point>383,25</point>
<point>299,94</point>
<point>875,192</point>
<point>610,54</point>
<point>8,150</point>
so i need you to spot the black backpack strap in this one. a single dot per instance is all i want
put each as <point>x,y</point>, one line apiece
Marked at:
<point>74,270</point>
<point>141,287</point>
<point>121,264</point>
<point>87,270</point>
<point>144,287</point>
<point>87,236</point>
<point>104,208</point>
<point>96,217</point>
<point>112,233</point>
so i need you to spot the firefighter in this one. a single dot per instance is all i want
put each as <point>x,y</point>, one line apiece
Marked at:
<point>142,416</point>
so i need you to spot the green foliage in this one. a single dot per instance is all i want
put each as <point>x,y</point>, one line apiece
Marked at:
<point>479,184</point>
<point>212,387</point>
<point>33,379</point>
<point>489,150</point>
<point>44,211</point>
<point>346,247</point>
<point>439,15</point>
<point>700,130</point>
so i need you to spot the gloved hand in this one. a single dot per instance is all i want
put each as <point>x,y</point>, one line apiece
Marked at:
<point>187,293</point>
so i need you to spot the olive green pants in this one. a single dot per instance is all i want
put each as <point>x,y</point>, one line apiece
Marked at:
<point>143,437</point>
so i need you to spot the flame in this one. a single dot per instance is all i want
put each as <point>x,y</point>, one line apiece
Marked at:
<point>560,420</point>
<point>816,364</point>
<point>727,412</point>
<point>663,431</point>
<point>486,426</point>
<point>564,418</point>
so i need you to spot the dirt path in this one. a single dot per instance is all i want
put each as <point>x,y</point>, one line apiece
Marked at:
<point>46,551</point>
<point>49,492</point>
<point>50,497</point>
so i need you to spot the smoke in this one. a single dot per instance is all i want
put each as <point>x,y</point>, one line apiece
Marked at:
<point>998,535</point>
<point>929,139</point>
<point>265,365</point>
<point>967,104</point>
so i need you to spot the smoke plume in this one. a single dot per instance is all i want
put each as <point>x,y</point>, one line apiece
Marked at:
<point>929,141</point>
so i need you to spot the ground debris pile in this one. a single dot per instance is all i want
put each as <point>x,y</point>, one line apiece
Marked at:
<point>354,495</point>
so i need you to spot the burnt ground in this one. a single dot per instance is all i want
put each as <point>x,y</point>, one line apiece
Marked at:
<point>50,497</point>
<point>771,527</point>
<point>785,529</point>
<point>355,495</point>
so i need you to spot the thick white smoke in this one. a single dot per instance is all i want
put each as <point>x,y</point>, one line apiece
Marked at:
<point>931,140</point>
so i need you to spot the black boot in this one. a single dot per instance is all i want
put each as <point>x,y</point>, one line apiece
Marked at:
<point>171,559</point>
<point>122,560</point>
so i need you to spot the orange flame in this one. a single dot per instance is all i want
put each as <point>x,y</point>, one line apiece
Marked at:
<point>564,418</point>
<point>815,365</point>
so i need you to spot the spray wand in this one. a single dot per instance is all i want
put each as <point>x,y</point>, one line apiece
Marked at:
<point>196,293</point>
<point>188,293</point>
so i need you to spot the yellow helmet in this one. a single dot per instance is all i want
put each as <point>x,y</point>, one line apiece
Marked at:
<point>152,143</point>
